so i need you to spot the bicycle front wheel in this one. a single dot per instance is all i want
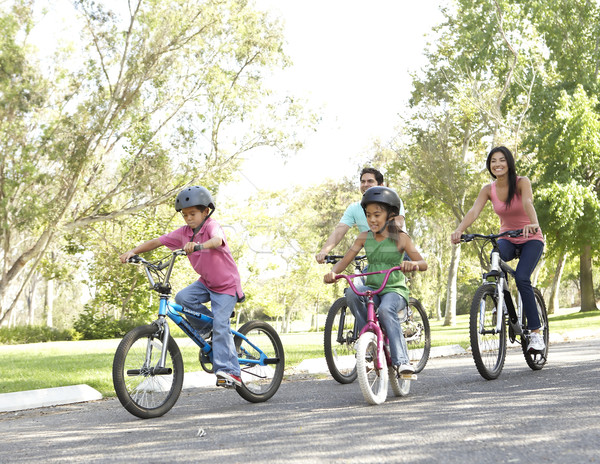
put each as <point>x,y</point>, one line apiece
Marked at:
<point>339,342</point>
<point>144,389</point>
<point>260,380</point>
<point>373,382</point>
<point>417,334</point>
<point>400,387</point>
<point>536,360</point>
<point>487,345</point>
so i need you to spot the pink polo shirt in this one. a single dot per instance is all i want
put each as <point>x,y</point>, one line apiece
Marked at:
<point>217,269</point>
<point>514,217</point>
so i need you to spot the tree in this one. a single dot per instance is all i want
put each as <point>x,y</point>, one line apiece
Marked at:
<point>146,108</point>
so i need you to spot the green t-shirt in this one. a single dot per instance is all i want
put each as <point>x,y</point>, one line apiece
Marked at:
<point>381,256</point>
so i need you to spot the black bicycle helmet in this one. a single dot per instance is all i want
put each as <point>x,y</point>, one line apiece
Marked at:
<point>384,195</point>
<point>194,196</point>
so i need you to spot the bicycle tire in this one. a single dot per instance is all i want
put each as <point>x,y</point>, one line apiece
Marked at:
<point>373,382</point>
<point>339,343</point>
<point>417,334</point>
<point>259,381</point>
<point>139,390</point>
<point>536,361</point>
<point>400,387</point>
<point>488,350</point>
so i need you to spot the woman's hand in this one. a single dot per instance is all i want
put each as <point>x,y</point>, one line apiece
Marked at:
<point>329,278</point>
<point>455,237</point>
<point>530,229</point>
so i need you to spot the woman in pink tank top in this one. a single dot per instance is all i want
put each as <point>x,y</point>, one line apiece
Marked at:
<point>512,199</point>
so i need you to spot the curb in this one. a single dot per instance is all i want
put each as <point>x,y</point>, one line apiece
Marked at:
<point>44,397</point>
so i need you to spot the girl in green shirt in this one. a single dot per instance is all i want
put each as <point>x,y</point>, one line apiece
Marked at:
<point>385,245</point>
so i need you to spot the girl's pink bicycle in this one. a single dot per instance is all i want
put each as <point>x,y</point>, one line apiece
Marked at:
<point>373,362</point>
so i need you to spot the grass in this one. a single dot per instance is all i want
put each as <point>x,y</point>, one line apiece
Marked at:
<point>55,364</point>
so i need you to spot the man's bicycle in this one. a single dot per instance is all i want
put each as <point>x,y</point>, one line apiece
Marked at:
<point>374,367</point>
<point>493,309</point>
<point>341,333</point>
<point>148,366</point>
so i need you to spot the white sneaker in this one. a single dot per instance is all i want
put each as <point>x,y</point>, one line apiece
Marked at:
<point>405,369</point>
<point>536,342</point>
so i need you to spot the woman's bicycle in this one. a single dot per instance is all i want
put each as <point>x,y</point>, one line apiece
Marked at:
<point>341,332</point>
<point>373,362</point>
<point>493,309</point>
<point>148,366</point>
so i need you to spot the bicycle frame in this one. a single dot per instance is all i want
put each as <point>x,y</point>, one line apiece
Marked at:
<point>499,271</point>
<point>372,324</point>
<point>173,311</point>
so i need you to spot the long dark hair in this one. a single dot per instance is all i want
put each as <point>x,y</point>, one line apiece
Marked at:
<point>512,171</point>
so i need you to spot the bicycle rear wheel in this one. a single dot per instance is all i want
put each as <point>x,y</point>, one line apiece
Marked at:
<point>536,360</point>
<point>373,382</point>
<point>339,342</point>
<point>417,334</point>
<point>143,390</point>
<point>487,345</point>
<point>260,381</point>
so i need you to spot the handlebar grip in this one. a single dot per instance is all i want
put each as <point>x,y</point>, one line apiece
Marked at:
<point>198,247</point>
<point>134,259</point>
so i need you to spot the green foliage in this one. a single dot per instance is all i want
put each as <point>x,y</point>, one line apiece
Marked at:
<point>35,334</point>
<point>120,119</point>
<point>94,325</point>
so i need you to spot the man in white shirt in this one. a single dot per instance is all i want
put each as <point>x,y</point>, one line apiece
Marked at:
<point>355,215</point>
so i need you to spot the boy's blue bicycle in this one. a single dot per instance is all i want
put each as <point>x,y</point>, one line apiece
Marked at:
<point>148,366</point>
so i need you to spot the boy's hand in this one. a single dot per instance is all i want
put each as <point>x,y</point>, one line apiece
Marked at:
<point>189,247</point>
<point>125,256</point>
<point>329,278</point>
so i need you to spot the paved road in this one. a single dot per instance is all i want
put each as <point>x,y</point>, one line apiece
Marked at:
<point>452,415</point>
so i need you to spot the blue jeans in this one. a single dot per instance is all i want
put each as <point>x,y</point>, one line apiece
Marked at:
<point>222,305</point>
<point>531,252</point>
<point>389,305</point>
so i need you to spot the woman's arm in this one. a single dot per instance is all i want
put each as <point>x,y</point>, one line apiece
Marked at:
<point>526,193</point>
<point>472,214</point>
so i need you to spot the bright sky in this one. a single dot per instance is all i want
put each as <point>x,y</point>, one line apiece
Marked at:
<point>351,59</point>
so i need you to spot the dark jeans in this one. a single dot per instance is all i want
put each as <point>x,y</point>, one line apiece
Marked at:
<point>531,252</point>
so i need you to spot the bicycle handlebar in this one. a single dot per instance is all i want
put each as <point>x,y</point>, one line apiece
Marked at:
<point>159,265</point>
<point>333,259</point>
<point>509,233</point>
<point>349,278</point>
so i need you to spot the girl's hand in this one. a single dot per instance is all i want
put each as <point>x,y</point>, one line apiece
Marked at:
<point>409,266</point>
<point>329,278</point>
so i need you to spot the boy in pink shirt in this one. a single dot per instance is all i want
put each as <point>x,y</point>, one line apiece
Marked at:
<point>219,280</point>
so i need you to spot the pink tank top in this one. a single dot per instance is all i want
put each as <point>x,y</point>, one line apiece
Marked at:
<point>513,217</point>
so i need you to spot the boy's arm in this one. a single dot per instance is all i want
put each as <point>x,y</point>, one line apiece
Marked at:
<point>141,248</point>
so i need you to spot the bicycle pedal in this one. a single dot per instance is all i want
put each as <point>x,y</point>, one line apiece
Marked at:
<point>408,376</point>
<point>225,383</point>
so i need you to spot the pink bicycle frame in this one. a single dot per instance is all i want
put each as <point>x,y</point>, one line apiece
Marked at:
<point>372,324</point>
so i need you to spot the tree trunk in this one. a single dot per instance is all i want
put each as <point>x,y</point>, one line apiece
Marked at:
<point>49,302</point>
<point>450,319</point>
<point>588,301</point>
<point>553,303</point>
